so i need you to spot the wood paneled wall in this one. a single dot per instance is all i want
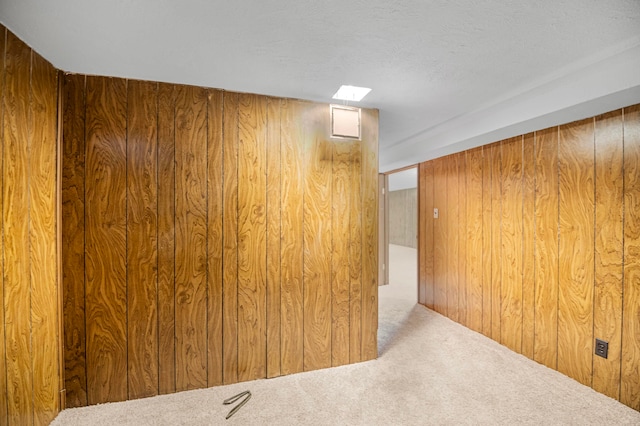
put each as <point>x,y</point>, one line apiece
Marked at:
<point>537,246</point>
<point>29,312</point>
<point>211,237</point>
<point>403,217</point>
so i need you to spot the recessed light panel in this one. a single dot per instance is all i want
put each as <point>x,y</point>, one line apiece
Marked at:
<point>351,93</point>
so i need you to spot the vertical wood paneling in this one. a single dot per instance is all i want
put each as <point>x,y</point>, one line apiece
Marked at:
<point>42,239</point>
<point>142,250</point>
<point>226,207</point>
<point>402,207</point>
<point>550,246</point>
<point>575,248</point>
<point>607,312</point>
<point>291,254</point>
<point>423,222</point>
<point>340,285</point>
<point>252,245</point>
<point>355,254</point>
<point>511,245</point>
<point>214,237</point>
<point>17,285</point>
<point>496,238</point>
<point>440,236</point>
<point>59,117</point>
<point>3,353</point>
<point>73,248</point>
<point>105,239</point>
<point>274,212</point>
<point>462,238</point>
<point>528,273</point>
<point>630,374</point>
<point>474,239</point>
<point>452,240</point>
<point>545,349</point>
<point>191,237</point>
<point>166,239</point>
<point>383,227</point>
<point>317,243</point>
<point>426,232</point>
<point>30,310</point>
<point>230,240</point>
<point>487,285</point>
<point>369,234</point>
<point>429,250</point>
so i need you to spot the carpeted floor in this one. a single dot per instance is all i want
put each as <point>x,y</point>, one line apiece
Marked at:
<point>430,371</point>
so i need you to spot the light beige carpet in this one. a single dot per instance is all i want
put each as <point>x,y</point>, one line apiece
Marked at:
<point>430,371</point>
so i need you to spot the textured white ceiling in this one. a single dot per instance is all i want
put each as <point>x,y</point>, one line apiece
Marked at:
<point>446,74</point>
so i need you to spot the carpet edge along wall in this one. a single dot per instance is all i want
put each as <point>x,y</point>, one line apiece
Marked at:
<point>211,237</point>
<point>547,256</point>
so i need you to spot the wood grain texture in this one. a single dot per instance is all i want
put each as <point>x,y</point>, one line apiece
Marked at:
<point>385,214</point>
<point>422,234</point>
<point>252,244</point>
<point>426,232</point>
<point>142,243</point>
<point>369,234</point>
<point>62,404</point>
<point>340,274</point>
<point>453,219</point>
<point>317,242</point>
<point>274,213</point>
<point>486,240</point>
<point>545,349</point>
<point>473,239</point>
<point>30,344</point>
<point>429,250</point>
<point>191,237</point>
<point>607,309</point>
<point>630,374</point>
<point>105,239</point>
<point>496,242</point>
<point>214,185</point>
<point>511,245</point>
<point>575,249</point>
<point>528,273</point>
<point>551,239</point>
<point>230,240</point>
<point>462,238</point>
<point>214,237</point>
<point>3,368</point>
<point>291,254</point>
<point>17,282</point>
<point>73,249</point>
<point>355,254</point>
<point>166,240</point>
<point>43,154</point>
<point>440,236</point>
<point>403,217</point>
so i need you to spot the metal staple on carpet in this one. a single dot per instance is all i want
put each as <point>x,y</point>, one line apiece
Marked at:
<point>233,399</point>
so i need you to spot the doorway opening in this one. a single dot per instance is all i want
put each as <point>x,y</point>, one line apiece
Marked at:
<point>398,273</point>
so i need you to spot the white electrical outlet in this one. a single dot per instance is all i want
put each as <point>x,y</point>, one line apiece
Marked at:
<point>435,213</point>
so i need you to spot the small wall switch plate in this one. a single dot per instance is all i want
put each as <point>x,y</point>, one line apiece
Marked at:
<point>435,213</point>
<point>602,348</point>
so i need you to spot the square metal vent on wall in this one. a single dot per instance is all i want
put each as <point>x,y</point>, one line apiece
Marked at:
<point>345,122</point>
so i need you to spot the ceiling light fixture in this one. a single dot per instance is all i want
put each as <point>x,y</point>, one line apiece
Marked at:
<point>351,93</point>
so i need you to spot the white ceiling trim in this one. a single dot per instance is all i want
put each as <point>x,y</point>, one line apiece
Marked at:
<point>605,82</point>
